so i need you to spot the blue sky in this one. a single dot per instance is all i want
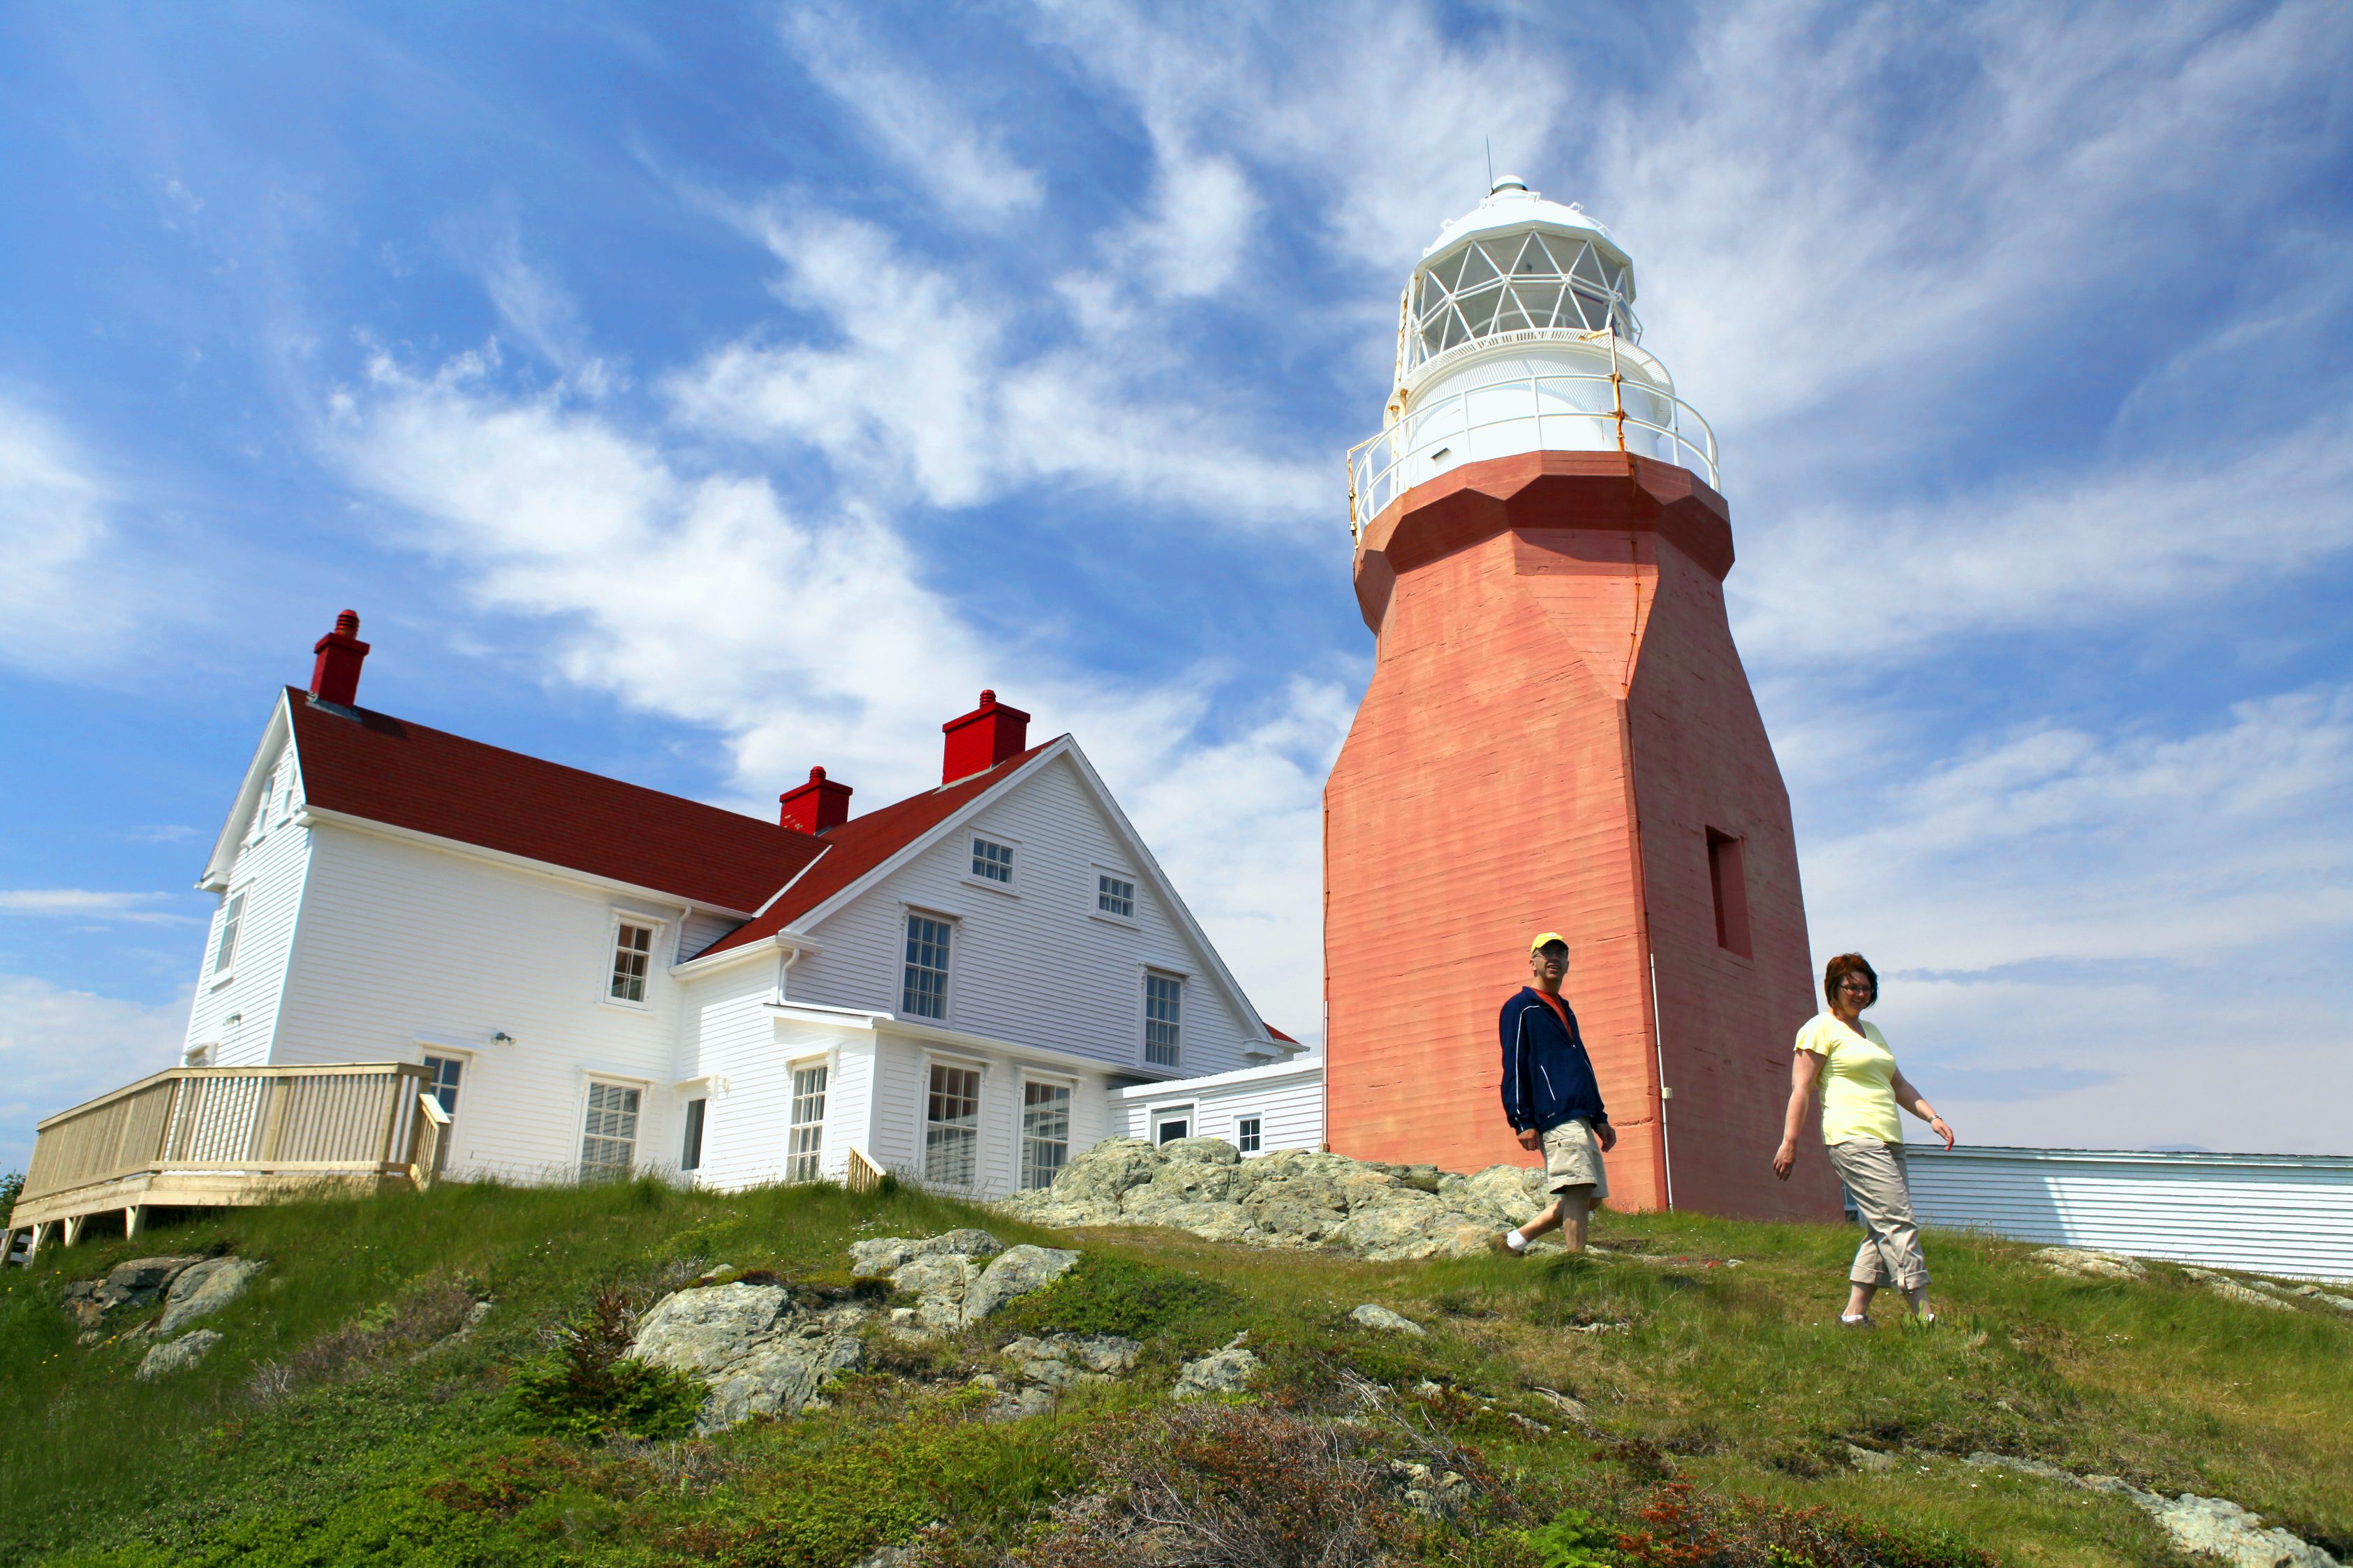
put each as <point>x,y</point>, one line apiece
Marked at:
<point>696,394</point>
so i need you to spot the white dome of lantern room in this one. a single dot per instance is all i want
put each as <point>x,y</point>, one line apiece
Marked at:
<point>1517,334</point>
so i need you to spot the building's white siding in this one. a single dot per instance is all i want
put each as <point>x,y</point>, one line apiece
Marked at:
<point>902,1108</point>
<point>236,1014</point>
<point>1287,1099</point>
<point>2269,1213</point>
<point>406,950</point>
<point>1036,964</point>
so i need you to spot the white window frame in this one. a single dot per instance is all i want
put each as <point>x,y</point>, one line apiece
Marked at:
<point>794,1125</point>
<point>653,925</point>
<point>1134,897</point>
<point>1190,1109</point>
<point>948,976</point>
<point>641,1087</point>
<point>702,1134</point>
<point>227,936</point>
<point>973,839</point>
<point>1257,1116</point>
<point>979,1065</point>
<point>1149,972</point>
<point>1069,1087</point>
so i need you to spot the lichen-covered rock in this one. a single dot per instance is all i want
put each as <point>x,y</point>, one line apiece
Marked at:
<point>1104,1172</point>
<point>2085,1263</point>
<point>710,1328</point>
<point>2217,1527</point>
<point>1059,1361</point>
<point>205,1287</point>
<point>784,1375</point>
<point>1372,1315</point>
<point>175,1354</point>
<point>1200,1150</point>
<point>2230,1290</point>
<point>1500,1195</point>
<point>1015,1273</point>
<point>754,1355</point>
<point>886,1254</point>
<point>1227,1370</point>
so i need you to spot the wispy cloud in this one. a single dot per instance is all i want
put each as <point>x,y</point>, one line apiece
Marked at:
<point>933,392</point>
<point>90,905</point>
<point>59,1047</point>
<point>66,594</point>
<point>953,158</point>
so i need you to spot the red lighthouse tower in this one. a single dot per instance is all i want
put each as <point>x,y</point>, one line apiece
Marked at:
<point>1558,735</point>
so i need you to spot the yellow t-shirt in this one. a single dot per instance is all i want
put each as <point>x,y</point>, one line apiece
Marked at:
<point>1858,1080</point>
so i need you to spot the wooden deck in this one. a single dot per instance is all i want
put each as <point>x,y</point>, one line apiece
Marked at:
<point>217,1137</point>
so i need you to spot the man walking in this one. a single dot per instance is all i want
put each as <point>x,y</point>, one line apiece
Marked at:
<point>1552,1100</point>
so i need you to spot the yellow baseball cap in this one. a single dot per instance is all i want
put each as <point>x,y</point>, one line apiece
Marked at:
<point>1544,937</point>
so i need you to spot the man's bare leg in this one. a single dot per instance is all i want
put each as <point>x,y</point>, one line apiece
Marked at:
<point>1569,1214</point>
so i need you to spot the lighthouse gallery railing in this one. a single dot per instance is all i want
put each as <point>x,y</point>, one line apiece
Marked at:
<point>1570,412</point>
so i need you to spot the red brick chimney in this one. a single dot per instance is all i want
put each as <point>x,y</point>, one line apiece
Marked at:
<point>336,678</point>
<point>816,805</point>
<point>983,738</point>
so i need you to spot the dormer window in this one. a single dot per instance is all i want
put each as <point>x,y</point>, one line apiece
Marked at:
<point>992,861</point>
<point>633,950</point>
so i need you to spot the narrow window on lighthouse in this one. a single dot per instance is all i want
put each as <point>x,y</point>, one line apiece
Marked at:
<point>1727,876</point>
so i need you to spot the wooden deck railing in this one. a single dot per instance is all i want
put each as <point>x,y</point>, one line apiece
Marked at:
<point>222,1131</point>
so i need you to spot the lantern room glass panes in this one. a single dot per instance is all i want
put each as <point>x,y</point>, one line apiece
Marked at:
<point>1522,282</point>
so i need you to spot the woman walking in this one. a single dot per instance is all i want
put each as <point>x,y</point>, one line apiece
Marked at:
<point>1861,1087</point>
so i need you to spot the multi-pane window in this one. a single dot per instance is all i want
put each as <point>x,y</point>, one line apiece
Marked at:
<point>1246,1135</point>
<point>952,1127</point>
<point>992,860</point>
<point>923,993</point>
<point>225,949</point>
<point>1045,1131</point>
<point>689,1152</point>
<point>805,1153</point>
<point>441,1074</point>
<point>633,952</point>
<point>1164,1000</point>
<point>608,1139</point>
<point>1115,895</point>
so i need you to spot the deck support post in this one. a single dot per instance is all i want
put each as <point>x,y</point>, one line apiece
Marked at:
<point>73,1224</point>
<point>134,1218</point>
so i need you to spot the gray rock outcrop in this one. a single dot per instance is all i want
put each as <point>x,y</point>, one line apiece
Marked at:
<point>1060,1360</point>
<point>2215,1527</point>
<point>1292,1198</point>
<point>138,1283</point>
<point>952,1288</point>
<point>755,1355</point>
<point>2083,1263</point>
<point>1372,1315</point>
<point>206,1287</point>
<point>174,1355</point>
<point>1227,1370</point>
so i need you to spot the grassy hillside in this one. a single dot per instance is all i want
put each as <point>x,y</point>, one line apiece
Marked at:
<point>1716,1420</point>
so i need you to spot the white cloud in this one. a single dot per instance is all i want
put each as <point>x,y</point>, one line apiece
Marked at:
<point>935,390</point>
<point>804,639</point>
<point>67,596</point>
<point>2085,547</point>
<point>82,902</point>
<point>960,165</point>
<point>2164,914</point>
<point>59,1048</point>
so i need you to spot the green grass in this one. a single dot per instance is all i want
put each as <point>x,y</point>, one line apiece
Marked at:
<point>1732,1378</point>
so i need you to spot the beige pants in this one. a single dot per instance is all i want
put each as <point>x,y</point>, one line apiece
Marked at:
<point>1573,1159</point>
<point>1890,1253</point>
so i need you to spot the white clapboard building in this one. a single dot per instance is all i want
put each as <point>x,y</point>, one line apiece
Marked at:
<point>965,986</point>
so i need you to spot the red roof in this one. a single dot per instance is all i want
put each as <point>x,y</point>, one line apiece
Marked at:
<point>387,770</point>
<point>862,843</point>
<point>1278,1034</point>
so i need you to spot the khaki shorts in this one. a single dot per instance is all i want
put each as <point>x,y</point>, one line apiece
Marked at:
<point>1573,1159</point>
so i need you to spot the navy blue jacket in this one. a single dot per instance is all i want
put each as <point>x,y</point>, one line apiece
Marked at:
<point>1547,1077</point>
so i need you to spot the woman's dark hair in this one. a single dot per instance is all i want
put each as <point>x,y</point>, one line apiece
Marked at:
<point>1844,965</point>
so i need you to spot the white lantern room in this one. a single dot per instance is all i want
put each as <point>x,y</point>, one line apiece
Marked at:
<point>1516,334</point>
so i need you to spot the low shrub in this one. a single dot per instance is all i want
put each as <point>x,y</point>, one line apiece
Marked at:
<point>1574,1540</point>
<point>587,1387</point>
